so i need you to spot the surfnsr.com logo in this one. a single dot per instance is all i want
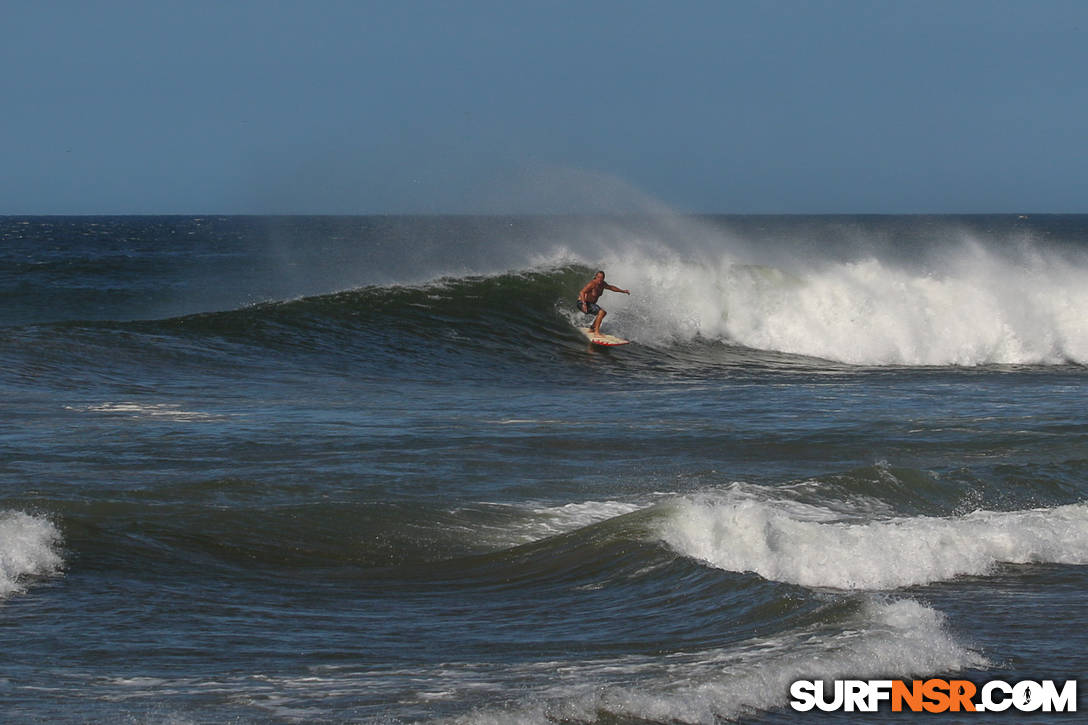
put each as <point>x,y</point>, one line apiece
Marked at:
<point>934,695</point>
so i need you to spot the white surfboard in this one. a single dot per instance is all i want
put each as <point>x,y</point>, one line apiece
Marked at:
<point>598,338</point>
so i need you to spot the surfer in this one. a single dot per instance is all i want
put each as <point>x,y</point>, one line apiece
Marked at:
<point>587,299</point>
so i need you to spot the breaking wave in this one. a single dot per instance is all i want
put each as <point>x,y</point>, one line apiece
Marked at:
<point>814,547</point>
<point>29,547</point>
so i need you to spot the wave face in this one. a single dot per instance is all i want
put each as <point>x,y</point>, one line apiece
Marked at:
<point>729,685</point>
<point>854,290</point>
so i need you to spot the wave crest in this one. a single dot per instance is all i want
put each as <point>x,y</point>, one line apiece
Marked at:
<point>809,546</point>
<point>965,306</point>
<point>28,547</point>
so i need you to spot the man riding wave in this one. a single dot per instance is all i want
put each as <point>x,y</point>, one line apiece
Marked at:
<point>587,299</point>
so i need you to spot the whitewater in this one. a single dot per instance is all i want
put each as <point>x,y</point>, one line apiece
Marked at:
<point>947,299</point>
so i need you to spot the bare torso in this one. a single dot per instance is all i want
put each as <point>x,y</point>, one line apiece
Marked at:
<point>592,291</point>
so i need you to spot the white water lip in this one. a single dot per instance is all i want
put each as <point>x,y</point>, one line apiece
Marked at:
<point>969,306</point>
<point>544,521</point>
<point>164,411</point>
<point>28,547</point>
<point>780,545</point>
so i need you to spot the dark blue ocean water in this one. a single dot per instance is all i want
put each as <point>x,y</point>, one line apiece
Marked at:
<point>346,469</point>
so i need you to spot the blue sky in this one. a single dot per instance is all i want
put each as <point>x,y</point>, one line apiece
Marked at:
<point>470,106</point>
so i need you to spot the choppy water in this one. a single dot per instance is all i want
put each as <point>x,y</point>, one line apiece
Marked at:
<point>366,470</point>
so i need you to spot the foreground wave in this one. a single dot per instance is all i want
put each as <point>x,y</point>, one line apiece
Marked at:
<point>848,544</point>
<point>896,638</point>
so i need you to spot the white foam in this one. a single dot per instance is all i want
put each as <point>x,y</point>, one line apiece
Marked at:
<point>28,547</point>
<point>802,545</point>
<point>165,411</point>
<point>545,521</point>
<point>884,638</point>
<point>965,306</point>
<point>888,639</point>
<point>573,516</point>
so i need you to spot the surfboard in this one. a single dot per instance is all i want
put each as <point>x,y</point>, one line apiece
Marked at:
<point>598,338</point>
